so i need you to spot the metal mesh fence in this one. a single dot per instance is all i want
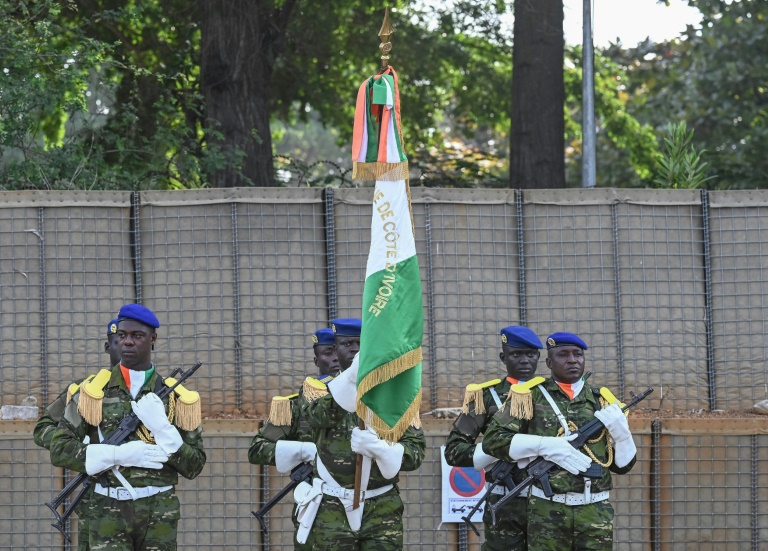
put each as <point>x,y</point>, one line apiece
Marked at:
<point>667,288</point>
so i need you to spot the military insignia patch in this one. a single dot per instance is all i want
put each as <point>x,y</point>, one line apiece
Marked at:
<point>504,339</point>
<point>113,328</point>
<point>314,339</point>
<point>551,341</point>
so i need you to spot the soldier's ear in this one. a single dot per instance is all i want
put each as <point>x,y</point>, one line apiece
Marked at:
<point>501,356</point>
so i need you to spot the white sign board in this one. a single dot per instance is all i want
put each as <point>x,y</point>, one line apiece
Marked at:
<point>462,487</point>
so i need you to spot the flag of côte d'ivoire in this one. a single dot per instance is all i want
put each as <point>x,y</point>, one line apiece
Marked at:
<point>389,377</point>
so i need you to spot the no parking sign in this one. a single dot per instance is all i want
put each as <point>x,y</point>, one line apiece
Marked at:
<point>462,487</point>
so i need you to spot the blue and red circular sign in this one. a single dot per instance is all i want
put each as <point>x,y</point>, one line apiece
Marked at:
<point>466,482</point>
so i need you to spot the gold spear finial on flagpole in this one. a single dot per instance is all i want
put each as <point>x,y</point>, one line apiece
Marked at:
<point>386,46</point>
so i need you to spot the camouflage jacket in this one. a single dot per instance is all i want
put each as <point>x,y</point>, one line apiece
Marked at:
<point>47,424</point>
<point>262,450</point>
<point>68,450</point>
<point>332,433</point>
<point>580,411</point>
<point>460,446</point>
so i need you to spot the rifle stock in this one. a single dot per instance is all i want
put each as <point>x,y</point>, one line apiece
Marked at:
<point>300,473</point>
<point>540,468</point>
<point>127,426</point>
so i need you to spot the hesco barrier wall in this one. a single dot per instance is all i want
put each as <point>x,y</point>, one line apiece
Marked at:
<point>667,288</point>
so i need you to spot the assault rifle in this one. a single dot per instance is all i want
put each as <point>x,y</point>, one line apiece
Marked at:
<point>540,468</point>
<point>127,426</point>
<point>501,474</point>
<point>300,473</point>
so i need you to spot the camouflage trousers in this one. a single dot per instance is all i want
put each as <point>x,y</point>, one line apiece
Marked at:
<point>147,524</point>
<point>381,528</point>
<point>509,532</point>
<point>556,526</point>
<point>82,534</point>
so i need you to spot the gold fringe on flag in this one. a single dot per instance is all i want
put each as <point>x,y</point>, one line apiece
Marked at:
<point>474,393</point>
<point>383,430</point>
<point>314,389</point>
<point>370,172</point>
<point>280,411</point>
<point>189,413</point>
<point>416,423</point>
<point>91,395</point>
<point>387,371</point>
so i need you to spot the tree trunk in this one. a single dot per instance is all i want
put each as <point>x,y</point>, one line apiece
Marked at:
<point>537,142</point>
<point>241,41</point>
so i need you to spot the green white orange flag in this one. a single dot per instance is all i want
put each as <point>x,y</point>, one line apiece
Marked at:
<point>389,376</point>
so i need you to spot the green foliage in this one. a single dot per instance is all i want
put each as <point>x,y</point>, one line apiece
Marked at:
<point>680,166</point>
<point>713,78</point>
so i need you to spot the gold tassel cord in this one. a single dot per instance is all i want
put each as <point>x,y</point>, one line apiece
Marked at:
<point>280,411</point>
<point>520,403</point>
<point>587,450</point>
<point>189,414</point>
<point>389,370</point>
<point>313,389</point>
<point>473,394</point>
<point>91,396</point>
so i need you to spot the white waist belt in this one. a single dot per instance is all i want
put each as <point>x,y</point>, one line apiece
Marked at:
<point>338,491</point>
<point>502,491</point>
<point>571,498</point>
<point>121,494</point>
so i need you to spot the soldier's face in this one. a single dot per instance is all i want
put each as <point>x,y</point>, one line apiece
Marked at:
<point>566,363</point>
<point>346,348</point>
<point>521,363</point>
<point>135,342</point>
<point>111,347</point>
<point>327,360</point>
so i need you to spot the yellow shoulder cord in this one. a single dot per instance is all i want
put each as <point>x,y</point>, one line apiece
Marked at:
<point>603,434</point>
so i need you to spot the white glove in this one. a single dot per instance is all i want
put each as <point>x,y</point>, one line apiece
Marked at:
<point>100,457</point>
<point>288,454</point>
<point>480,459</point>
<point>389,457</point>
<point>616,423</point>
<point>555,449</point>
<point>344,387</point>
<point>151,410</point>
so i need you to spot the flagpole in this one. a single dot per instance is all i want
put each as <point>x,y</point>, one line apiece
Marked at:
<point>385,48</point>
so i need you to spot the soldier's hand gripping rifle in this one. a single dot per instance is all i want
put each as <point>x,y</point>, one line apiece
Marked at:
<point>501,474</point>
<point>127,426</point>
<point>300,473</point>
<point>540,468</point>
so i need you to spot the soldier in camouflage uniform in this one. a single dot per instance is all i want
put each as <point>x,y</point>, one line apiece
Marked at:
<point>46,425</point>
<point>327,506</point>
<point>579,515</point>
<point>285,440</point>
<point>520,355</point>
<point>134,504</point>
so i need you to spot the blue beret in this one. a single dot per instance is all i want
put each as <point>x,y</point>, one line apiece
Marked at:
<point>347,326</point>
<point>520,337</point>
<point>138,313</point>
<point>323,336</point>
<point>112,327</point>
<point>561,339</point>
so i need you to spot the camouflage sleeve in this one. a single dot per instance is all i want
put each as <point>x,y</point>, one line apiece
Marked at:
<point>190,458</point>
<point>47,424</point>
<point>460,446</point>
<point>323,413</point>
<point>415,445</point>
<point>499,435</point>
<point>66,443</point>
<point>262,450</point>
